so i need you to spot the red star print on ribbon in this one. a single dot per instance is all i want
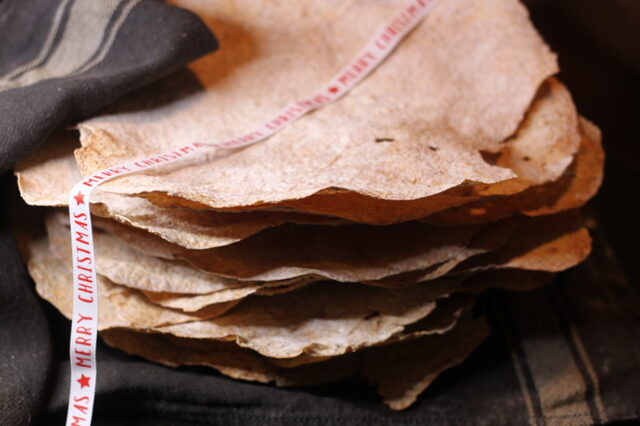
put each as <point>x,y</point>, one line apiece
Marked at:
<point>84,381</point>
<point>79,198</point>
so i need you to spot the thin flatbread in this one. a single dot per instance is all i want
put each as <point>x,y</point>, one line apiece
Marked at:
<point>449,309</point>
<point>126,266</point>
<point>119,306</point>
<point>542,147</point>
<point>573,189</point>
<point>399,385</point>
<point>351,253</point>
<point>402,372</point>
<point>437,123</point>
<point>46,177</point>
<point>196,302</point>
<point>547,244</point>
<point>347,253</point>
<point>323,319</point>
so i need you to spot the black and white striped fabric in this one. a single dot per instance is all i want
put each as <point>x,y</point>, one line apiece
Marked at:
<point>63,60</point>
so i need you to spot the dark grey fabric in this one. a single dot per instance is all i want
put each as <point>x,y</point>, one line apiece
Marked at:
<point>25,341</point>
<point>19,45</point>
<point>154,40</point>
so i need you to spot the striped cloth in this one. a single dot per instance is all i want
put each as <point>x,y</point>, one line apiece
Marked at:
<point>63,60</point>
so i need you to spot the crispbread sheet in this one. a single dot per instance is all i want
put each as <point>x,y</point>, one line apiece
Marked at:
<point>580,181</point>
<point>437,124</point>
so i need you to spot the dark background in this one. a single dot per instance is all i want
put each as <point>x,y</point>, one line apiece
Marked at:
<point>598,47</point>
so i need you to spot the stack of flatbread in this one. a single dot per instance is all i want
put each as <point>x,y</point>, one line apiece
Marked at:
<point>355,240</point>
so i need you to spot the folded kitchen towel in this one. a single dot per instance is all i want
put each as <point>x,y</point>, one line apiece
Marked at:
<point>63,60</point>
